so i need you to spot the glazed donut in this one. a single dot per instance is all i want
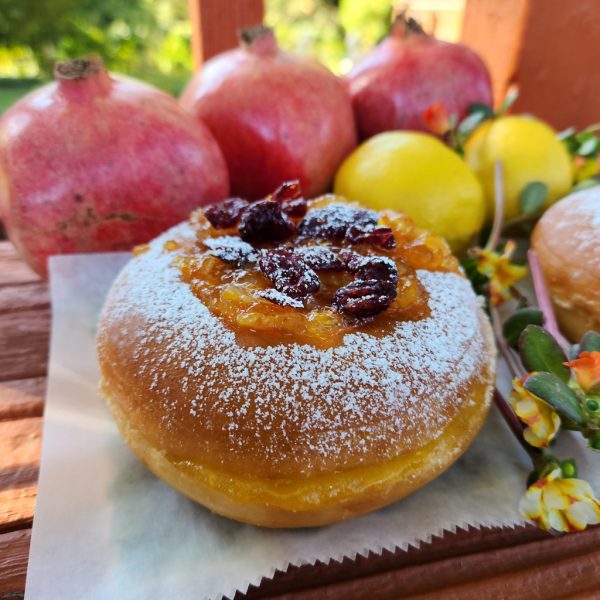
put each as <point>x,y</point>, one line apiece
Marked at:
<point>283,412</point>
<point>567,242</point>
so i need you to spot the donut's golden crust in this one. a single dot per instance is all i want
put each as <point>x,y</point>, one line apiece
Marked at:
<point>567,242</point>
<point>325,499</point>
<point>289,435</point>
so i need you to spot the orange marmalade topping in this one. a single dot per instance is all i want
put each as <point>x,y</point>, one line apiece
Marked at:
<point>306,289</point>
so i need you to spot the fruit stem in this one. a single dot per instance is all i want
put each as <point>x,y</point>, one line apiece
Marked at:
<point>404,27</point>
<point>82,78</point>
<point>258,39</point>
<point>78,68</point>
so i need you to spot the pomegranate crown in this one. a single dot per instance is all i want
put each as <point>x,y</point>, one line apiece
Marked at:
<point>78,68</point>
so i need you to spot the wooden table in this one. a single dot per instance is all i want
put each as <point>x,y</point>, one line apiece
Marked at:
<point>490,563</point>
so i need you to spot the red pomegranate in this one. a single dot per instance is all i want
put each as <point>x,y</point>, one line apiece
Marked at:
<point>408,72</point>
<point>276,116</point>
<point>96,162</point>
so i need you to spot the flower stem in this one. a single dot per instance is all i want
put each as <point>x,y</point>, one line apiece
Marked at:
<point>516,428</point>
<point>494,238</point>
<point>544,302</point>
<point>513,364</point>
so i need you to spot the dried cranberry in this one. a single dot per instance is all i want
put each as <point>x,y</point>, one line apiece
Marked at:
<point>333,221</point>
<point>322,258</point>
<point>264,221</point>
<point>226,213</point>
<point>380,268</point>
<point>231,249</point>
<point>290,190</point>
<point>364,298</point>
<point>377,236</point>
<point>295,208</point>
<point>290,196</point>
<point>288,273</point>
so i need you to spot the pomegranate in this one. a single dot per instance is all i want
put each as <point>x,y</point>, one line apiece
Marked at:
<point>96,162</point>
<point>407,73</point>
<point>276,116</point>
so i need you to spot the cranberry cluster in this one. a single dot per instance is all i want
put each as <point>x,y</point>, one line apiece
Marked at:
<point>338,222</point>
<point>267,220</point>
<point>293,270</point>
<point>374,288</point>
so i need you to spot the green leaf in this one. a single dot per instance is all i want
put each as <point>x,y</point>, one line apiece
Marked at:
<point>480,107</point>
<point>566,133</point>
<point>510,99</point>
<point>533,197</point>
<point>589,147</point>
<point>584,135</point>
<point>540,352</point>
<point>586,184</point>
<point>593,128</point>
<point>557,394</point>
<point>514,325</point>
<point>590,342</point>
<point>470,123</point>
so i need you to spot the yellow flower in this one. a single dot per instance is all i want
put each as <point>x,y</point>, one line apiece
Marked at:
<point>501,273</point>
<point>542,422</point>
<point>560,504</point>
<point>587,370</point>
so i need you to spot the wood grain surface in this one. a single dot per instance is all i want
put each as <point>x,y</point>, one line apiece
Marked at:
<point>468,564</point>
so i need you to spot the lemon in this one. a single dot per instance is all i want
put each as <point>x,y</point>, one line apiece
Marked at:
<point>529,151</point>
<point>417,174</point>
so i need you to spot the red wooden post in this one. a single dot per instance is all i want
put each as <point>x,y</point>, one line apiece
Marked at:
<point>215,24</point>
<point>549,48</point>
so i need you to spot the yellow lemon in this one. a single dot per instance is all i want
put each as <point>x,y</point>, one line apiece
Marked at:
<point>417,174</point>
<point>529,151</point>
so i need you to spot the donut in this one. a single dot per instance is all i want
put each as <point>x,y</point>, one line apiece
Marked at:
<point>290,364</point>
<point>567,242</point>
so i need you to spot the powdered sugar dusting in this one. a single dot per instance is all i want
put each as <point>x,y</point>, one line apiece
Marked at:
<point>292,403</point>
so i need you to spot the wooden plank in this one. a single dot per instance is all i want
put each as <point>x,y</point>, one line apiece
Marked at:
<point>19,450</point>
<point>559,579</point>
<point>14,555</point>
<point>14,270</point>
<point>450,545</point>
<point>17,507</point>
<point>24,339</point>
<point>22,398</point>
<point>215,25</point>
<point>495,30</point>
<point>26,296</point>
<point>547,48</point>
<point>491,574</point>
<point>20,443</point>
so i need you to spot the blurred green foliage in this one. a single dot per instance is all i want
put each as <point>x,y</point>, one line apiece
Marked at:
<point>150,39</point>
<point>10,94</point>
<point>336,32</point>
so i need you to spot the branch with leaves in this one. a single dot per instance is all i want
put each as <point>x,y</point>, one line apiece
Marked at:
<point>556,385</point>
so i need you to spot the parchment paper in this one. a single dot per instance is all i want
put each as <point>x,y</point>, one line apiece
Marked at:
<point>106,528</point>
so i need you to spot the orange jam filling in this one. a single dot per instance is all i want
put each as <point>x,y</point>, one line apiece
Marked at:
<point>233,293</point>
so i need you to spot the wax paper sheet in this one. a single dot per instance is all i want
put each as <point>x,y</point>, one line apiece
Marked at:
<point>106,528</point>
